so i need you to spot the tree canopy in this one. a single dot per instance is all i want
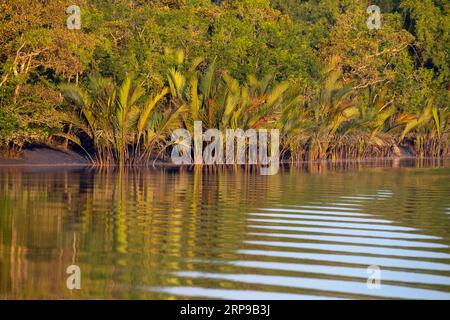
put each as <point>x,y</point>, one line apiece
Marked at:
<point>315,47</point>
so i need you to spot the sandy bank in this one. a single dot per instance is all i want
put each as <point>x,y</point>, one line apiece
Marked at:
<point>43,155</point>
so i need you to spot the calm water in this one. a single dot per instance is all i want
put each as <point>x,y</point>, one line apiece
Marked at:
<point>305,233</point>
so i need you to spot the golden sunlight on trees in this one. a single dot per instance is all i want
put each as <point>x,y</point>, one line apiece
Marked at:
<point>139,69</point>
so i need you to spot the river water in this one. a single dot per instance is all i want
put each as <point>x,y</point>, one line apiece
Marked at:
<point>315,231</point>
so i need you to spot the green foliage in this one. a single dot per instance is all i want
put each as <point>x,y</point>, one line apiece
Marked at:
<point>311,68</point>
<point>429,22</point>
<point>7,126</point>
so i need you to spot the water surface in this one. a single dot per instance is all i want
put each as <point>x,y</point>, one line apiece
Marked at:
<point>310,232</point>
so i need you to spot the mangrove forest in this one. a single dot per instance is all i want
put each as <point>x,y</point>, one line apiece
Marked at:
<point>134,71</point>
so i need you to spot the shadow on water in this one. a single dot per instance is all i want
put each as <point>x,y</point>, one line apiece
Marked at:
<point>310,232</point>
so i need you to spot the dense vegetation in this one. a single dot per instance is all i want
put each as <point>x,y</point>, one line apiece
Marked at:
<point>140,68</point>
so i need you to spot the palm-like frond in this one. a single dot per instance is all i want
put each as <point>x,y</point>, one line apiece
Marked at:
<point>145,114</point>
<point>176,83</point>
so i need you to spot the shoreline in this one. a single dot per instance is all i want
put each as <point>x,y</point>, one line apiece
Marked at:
<point>45,156</point>
<point>48,156</point>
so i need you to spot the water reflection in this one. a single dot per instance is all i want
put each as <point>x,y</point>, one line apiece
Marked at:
<point>339,286</point>
<point>309,232</point>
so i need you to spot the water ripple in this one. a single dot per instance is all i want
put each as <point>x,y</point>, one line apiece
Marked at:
<point>340,286</point>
